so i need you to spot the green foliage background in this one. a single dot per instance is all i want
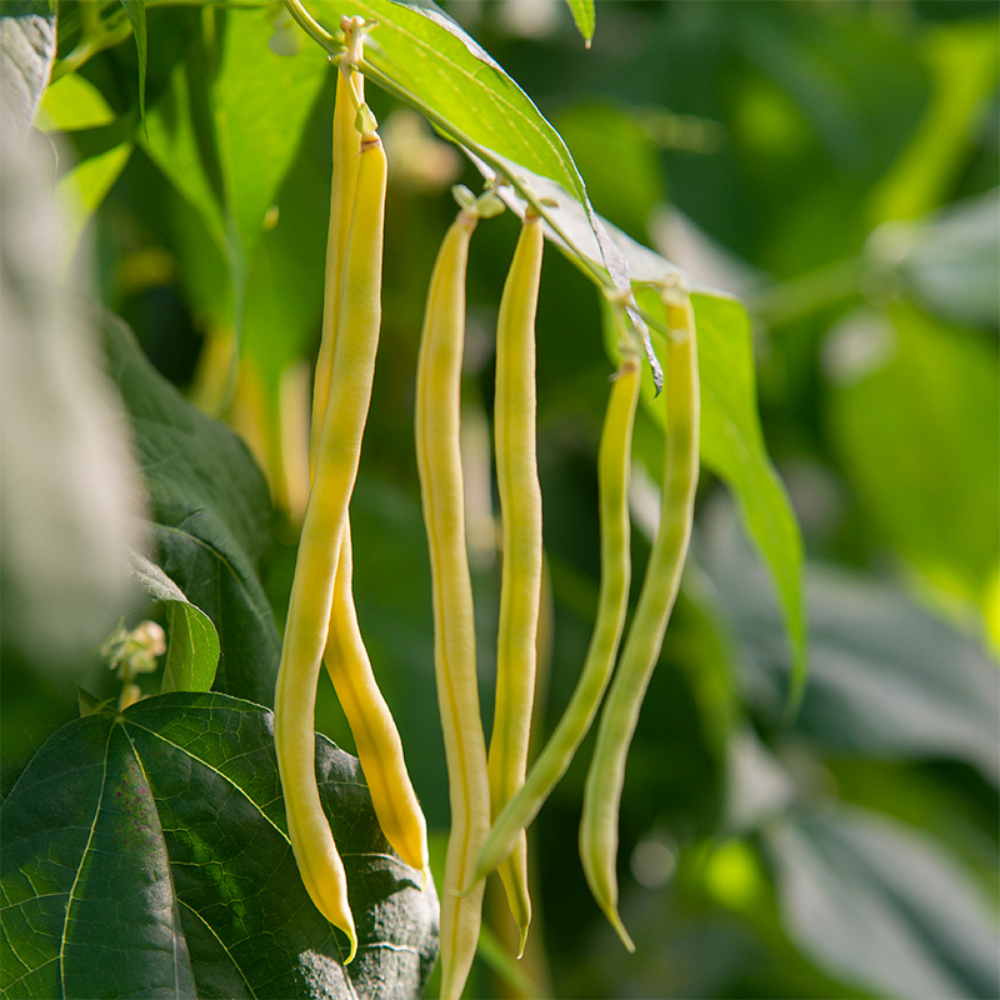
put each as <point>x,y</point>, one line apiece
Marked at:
<point>833,164</point>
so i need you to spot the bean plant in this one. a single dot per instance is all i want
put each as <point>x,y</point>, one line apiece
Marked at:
<point>351,471</point>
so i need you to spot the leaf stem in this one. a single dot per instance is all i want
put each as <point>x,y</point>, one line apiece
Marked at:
<point>789,300</point>
<point>314,29</point>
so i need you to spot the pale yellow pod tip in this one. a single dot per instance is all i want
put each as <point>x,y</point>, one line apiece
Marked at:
<point>611,912</point>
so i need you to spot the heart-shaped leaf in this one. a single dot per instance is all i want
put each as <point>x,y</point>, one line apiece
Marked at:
<point>145,854</point>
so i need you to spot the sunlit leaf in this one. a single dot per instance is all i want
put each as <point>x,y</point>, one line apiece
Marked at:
<point>916,421</point>
<point>583,18</point>
<point>429,61</point>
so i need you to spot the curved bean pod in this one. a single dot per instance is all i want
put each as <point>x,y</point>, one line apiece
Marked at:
<point>322,531</point>
<point>603,788</point>
<point>439,462</point>
<point>521,579</point>
<point>376,738</point>
<point>614,462</point>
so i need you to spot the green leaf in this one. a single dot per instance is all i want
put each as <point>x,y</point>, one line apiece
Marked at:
<point>876,903</point>
<point>915,417</point>
<point>73,103</point>
<point>877,687</point>
<point>963,61</point>
<point>227,138</point>
<point>136,11</point>
<point>948,262</point>
<point>27,52</point>
<point>146,853</point>
<point>193,653</point>
<point>419,54</point>
<point>212,512</point>
<point>583,18</point>
<point>732,446</point>
<point>284,298</point>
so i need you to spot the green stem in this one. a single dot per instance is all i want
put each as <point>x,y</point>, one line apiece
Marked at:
<point>116,30</point>
<point>786,301</point>
<point>336,48</point>
<point>313,28</point>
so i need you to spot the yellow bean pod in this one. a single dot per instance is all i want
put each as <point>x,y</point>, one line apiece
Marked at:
<point>603,788</point>
<point>614,462</point>
<point>306,630</point>
<point>521,579</point>
<point>376,738</point>
<point>439,462</point>
<point>346,159</point>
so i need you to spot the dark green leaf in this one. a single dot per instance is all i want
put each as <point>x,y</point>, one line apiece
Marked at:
<point>193,653</point>
<point>887,679</point>
<point>877,903</point>
<point>145,854</point>
<point>27,51</point>
<point>212,514</point>
<point>136,11</point>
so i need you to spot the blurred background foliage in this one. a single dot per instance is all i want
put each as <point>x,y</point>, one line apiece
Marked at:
<point>833,163</point>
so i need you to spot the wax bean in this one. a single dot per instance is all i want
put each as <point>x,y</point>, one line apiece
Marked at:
<point>521,514</point>
<point>614,461</point>
<point>603,788</point>
<point>376,738</point>
<point>442,486</point>
<point>306,630</point>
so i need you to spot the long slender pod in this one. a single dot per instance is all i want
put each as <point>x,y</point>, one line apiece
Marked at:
<point>521,579</point>
<point>316,565</point>
<point>603,788</point>
<point>376,738</point>
<point>346,159</point>
<point>614,462</point>
<point>439,462</point>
